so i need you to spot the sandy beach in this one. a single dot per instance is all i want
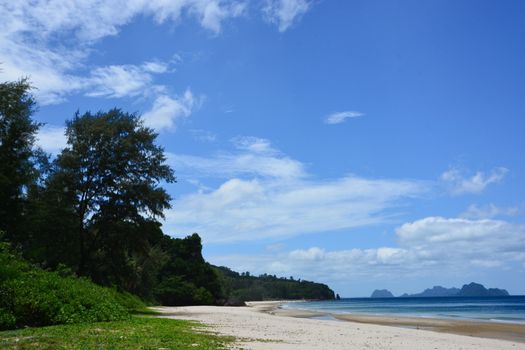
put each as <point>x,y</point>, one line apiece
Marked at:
<point>261,325</point>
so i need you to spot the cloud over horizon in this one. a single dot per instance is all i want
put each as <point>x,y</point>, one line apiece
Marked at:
<point>426,247</point>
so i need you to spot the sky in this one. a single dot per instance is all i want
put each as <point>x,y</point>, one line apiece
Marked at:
<point>363,144</point>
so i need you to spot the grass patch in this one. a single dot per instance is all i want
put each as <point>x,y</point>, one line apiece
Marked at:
<point>137,333</point>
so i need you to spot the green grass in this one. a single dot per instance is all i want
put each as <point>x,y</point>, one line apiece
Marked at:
<point>137,333</point>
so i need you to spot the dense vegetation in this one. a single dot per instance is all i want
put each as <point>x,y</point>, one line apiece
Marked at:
<point>238,288</point>
<point>92,213</point>
<point>30,296</point>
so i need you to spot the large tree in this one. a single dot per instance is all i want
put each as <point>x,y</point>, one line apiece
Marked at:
<point>17,136</point>
<point>110,173</point>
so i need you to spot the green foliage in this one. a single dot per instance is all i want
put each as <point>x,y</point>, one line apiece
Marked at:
<point>97,210</point>
<point>238,288</point>
<point>10,266</point>
<point>17,136</point>
<point>106,182</point>
<point>41,298</point>
<point>33,297</point>
<point>187,270</point>
<point>130,302</point>
<point>175,291</point>
<point>135,333</point>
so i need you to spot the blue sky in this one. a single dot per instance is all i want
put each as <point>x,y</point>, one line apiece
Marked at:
<point>364,144</point>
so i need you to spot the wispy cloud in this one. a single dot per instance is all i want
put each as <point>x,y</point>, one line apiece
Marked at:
<point>488,211</point>
<point>284,13</point>
<point>339,117</point>
<point>244,210</point>
<point>203,135</point>
<point>253,144</point>
<point>266,194</point>
<point>119,80</point>
<point>458,183</point>
<point>213,13</point>
<point>29,31</point>
<point>253,157</point>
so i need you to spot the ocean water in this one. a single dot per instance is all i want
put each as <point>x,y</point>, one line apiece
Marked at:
<point>500,309</point>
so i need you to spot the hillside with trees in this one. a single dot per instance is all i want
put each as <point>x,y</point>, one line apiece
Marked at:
<point>93,212</point>
<point>240,287</point>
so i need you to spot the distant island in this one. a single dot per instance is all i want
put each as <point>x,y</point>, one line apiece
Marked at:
<point>381,293</point>
<point>468,290</point>
<point>436,291</point>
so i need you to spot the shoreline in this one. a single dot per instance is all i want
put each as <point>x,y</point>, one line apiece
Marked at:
<point>263,325</point>
<point>483,329</point>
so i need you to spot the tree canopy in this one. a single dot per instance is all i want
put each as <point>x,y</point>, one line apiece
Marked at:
<point>17,136</point>
<point>110,177</point>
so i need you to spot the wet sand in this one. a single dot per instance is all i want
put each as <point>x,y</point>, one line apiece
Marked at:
<point>495,330</point>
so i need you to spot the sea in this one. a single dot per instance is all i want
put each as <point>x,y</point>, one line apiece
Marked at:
<point>510,309</point>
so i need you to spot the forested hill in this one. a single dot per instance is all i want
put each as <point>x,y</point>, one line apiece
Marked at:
<point>243,287</point>
<point>94,211</point>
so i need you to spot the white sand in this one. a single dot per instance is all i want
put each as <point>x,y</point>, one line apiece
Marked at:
<point>258,330</point>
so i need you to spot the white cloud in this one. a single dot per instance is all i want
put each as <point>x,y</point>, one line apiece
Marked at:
<point>458,183</point>
<point>166,110</point>
<point>51,138</point>
<point>456,241</point>
<point>156,67</point>
<point>438,229</point>
<point>118,81</point>
<point>240,210</point>
<point>311,254</point>
<point>45,68</point>
<point>29,32</point>
<point>226,165</point>
<point>94,19</point>
<point>213,13</point>
<point>488,211</point>
<point>284,13</point>
<point>255,157</point>
<point>253,144</point>
<point>339,117</point>
<point>49,41</point>
<point>265,194</point>
<point>427,248</point>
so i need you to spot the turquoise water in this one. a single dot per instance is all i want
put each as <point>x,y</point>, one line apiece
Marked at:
<point>500,309</point>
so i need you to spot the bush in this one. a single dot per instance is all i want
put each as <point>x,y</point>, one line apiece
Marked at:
<point>130,302</point>
<point>174,291</point>
<point>32,297</point>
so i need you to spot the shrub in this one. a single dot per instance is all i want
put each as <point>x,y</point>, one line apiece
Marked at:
<point>175,291</point>
<point>130,302</point>
<point>33,297</point>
